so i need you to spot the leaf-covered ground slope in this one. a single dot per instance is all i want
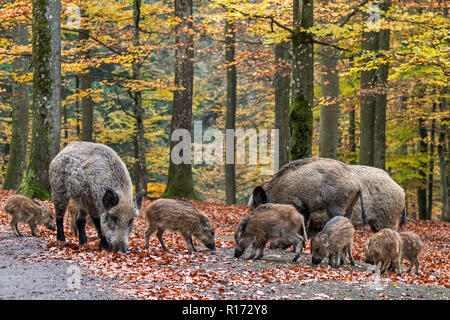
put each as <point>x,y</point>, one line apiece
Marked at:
<point>153,274</point>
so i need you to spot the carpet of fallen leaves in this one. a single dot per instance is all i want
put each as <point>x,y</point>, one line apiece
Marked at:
<point>153,274</point>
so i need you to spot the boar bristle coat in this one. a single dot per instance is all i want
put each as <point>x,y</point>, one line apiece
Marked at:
<point>312,184</point>
<point>412,245</point>
<point>384,199</point>
<point>94,176</point>
<point>179,216</point>
<point>334,241</point>
<point>26,210</point>
<point>266,223</point>
<point>385,247</point>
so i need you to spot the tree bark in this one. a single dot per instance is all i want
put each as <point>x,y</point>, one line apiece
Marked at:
<point>422,190</point>
<point>179,180</point>
<point>21,105</point>
<point>139,112</point>
<point>46,126</point>
<point>329,111</point>
<point>431,166</point>
<point>87,109</point>
<point>370,42</point>
<point>379,147</point>
<point>302,97</point>
<point>230,118</point>
<point>282,85</point>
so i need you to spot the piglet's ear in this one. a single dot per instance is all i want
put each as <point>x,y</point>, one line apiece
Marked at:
<point>205,224</point>
<point>110,199</point>
<point>324,240</point>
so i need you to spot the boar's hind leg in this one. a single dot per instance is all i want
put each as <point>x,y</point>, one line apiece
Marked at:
<point>350,256</point>
<point>81,226</point>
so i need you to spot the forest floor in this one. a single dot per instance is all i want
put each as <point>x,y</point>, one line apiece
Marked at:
<point>42,268</point>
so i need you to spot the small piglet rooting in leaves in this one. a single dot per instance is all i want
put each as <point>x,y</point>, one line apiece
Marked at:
<point>269,222</point>
<point>179,216</point>
<point>385,247</point>
<point>26,210</point>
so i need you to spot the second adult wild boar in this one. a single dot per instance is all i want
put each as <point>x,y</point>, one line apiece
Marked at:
<point>93,175</point>
<point>384,199</point>
<point>334,241</point>
<point>179,216</point>
<point>269,222</point>
<point>310,185</point>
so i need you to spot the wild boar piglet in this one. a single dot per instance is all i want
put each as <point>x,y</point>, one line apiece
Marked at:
<point>385,247</point>
<point>179,216</point>
<point>412,245</point>
<point>334,241</point>
<point>269,222</point>
<point>26,210</point>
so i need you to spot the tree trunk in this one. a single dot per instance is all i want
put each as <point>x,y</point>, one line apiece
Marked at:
<point>422,190</point>
<point>139,112</point>
<point>282,84</point>
<point>46,126</point>
<point>21,105</point>
<point>302,97</point>
<point>230,119</point>
<point>379,146</point>
<point>329,111</point>
<point>370,42</point>
<point>179,180</point>
<point>442,151</point>
<point>431,166</point>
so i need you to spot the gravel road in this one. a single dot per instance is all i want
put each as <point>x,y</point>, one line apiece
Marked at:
<point>20,279</point>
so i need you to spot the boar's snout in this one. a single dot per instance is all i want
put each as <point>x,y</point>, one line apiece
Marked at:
<point>120,247</point>
<point>238,253</point>
<point>50,226</point>
<point>315,260</point>
<point>211,246</point>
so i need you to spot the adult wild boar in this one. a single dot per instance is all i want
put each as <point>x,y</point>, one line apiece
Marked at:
<point>93,175</point>
<point>23,209</point>
<point>179,216</point>
<point>385,246</point>
<point>384,199</point>
<point>334,241</point>
<point>312,184</point>
<point>269,222</point>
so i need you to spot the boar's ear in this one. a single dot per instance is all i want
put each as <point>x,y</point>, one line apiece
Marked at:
<point>259,196</point>
<point>324,240</point>
<point>204,223</point>
<point>138,198</point>
<point>110,199</point>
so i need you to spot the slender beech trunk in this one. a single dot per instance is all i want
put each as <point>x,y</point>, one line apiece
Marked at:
<point>139,112</point>
<point>230,119</point>
<point>431,165</point>
<point>379,146</point>
<point>329,111</point>
<point>21,105</point>
<point>87,108</point>
<point>442,151</point>
<point>282,85</point>
<point>370,43</point>
<point>302,96</point>
<point>46,126</point>
<point>422,190</point>
<point>179,180</point>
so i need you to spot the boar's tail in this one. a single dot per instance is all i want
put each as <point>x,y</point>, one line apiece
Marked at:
<point>403,220</point>
<point>363,210</point>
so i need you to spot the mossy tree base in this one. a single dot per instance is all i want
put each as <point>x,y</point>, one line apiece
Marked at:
<point>301,124</point>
